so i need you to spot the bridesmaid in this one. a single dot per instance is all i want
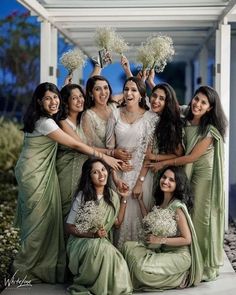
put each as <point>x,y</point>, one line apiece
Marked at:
<point>99,106</point>
<point>69,162</point>
<point>39,213</point>
<point>177,262</point>
<point>205,129</point>
<point>167,143</point>
<point>98,267</point>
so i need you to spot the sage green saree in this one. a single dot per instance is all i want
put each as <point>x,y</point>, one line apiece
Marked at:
<point>167,267</point>
<point>39,216</point>
<point>206,176</point>
<point>98,267</point>
<point>69,166</point>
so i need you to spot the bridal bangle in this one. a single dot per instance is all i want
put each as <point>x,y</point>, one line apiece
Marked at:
<point>142,178</point>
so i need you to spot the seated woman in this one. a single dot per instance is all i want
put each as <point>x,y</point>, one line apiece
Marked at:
<point>170,256</point>
<point>98,267</point>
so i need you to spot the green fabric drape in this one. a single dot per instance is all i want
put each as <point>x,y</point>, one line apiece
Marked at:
<point>39,214</point>
<point>168,267</point>
<point>69,167</point>
<point>206,176</point>
<point>98,267</point>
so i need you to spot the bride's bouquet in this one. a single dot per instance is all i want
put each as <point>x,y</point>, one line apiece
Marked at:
<point>159,222</point>
<point>90,217</point>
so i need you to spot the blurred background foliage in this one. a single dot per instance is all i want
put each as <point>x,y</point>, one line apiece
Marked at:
<point>19,62</point>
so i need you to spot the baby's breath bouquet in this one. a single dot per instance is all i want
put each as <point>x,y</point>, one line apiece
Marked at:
<point>159,222</point>
<point>145,57</point>
<point>90,217</point>
<point>118,45</point>
<point>162,49</point>
<point>108,40</point>
<point>104,37</point>
<point>72,60</point>
<point>156,52</point>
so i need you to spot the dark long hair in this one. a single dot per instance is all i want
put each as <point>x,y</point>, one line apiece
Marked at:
<point>215,116</point>
<point>182,191</point>
<point>65,94</point>
<point>86,185</point>
<point>89,101</point>
<point>35,109</point>
<point>142,90</point>
<point>168,130</point>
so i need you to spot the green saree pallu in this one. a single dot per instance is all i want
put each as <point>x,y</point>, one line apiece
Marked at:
<point>39,214</point>
<point>98,267</point>
<point>167,267</point>
<point>69,166</point>
<point>207,181</point>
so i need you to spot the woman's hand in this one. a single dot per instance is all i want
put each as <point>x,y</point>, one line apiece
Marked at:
<point>142,75</point>
<point>151,239</point>
<point>122,186</point>
<point>101,233</point>
<point>150,78</point>
<point>154,167</point>
<point>115,164</point>
<point>137,191</point>
<point>126,66</point>
<point>122,154</point>
<point>126,167</point>
<point>68,79</point>
<point>124,191</point>
<point>150,156</point>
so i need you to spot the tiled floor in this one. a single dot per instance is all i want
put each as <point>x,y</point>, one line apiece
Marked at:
<point>225,284</point>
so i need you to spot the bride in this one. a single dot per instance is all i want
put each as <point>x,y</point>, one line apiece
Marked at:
<point>131,127</point>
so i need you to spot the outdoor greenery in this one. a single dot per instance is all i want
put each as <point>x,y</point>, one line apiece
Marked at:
<point>10,145</point>
<point>19,62</point>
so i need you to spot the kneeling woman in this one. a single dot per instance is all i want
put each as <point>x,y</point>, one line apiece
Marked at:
<point>170,256</point>
<point>98,267</point>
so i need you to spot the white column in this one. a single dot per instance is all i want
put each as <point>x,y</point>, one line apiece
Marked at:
<point>53,64</point>
<point>217,61</point>
<point>203,64</point>
<point>48,53</point>
<point>222,85</point>
<point>45,51</point>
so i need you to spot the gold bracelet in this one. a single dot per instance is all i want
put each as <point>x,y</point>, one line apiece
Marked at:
<point>174,162</point>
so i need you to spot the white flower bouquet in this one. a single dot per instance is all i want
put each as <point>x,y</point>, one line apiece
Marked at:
<point>159,222</point>
<point>156,52</point>
<point>108,40</point>
<point>72,60</point>
<point>90,217</point>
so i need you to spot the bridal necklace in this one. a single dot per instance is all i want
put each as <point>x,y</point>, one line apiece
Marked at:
<point>131,117</point>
